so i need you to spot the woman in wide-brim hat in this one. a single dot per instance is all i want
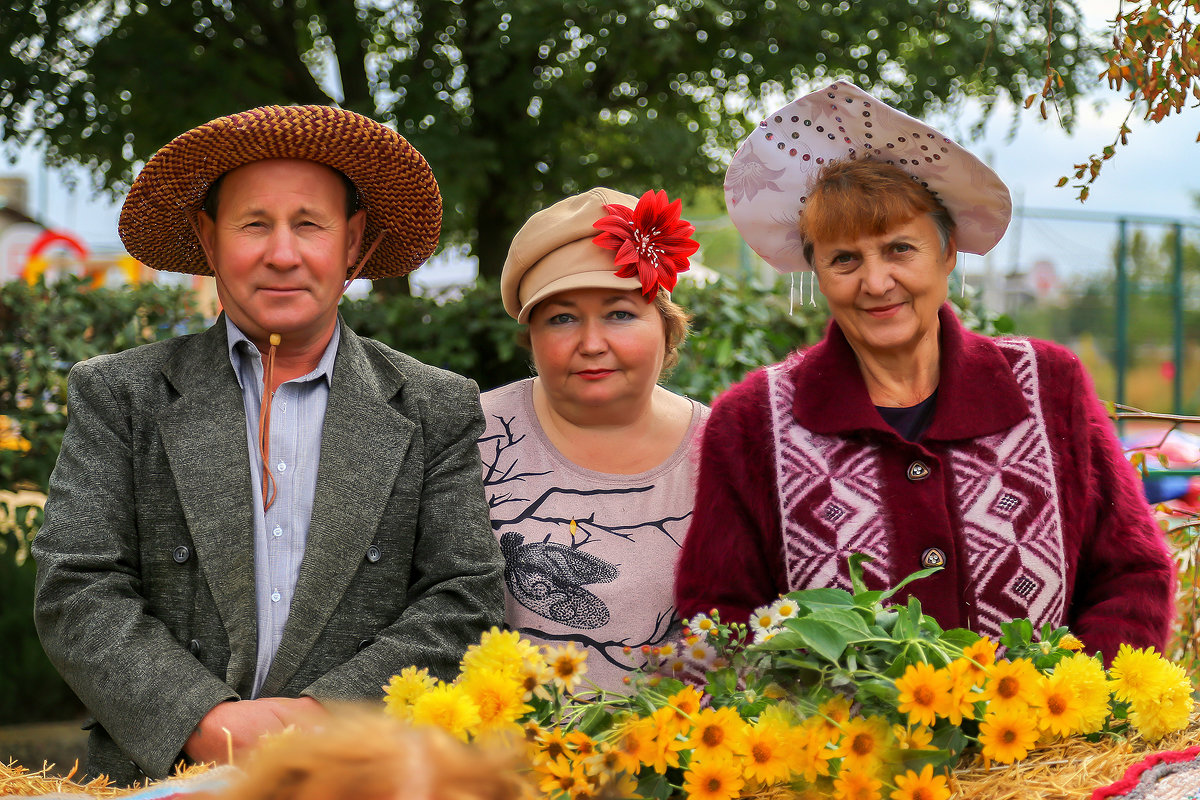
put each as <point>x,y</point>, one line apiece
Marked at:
<point>589,467</point>
<point>902,435</point>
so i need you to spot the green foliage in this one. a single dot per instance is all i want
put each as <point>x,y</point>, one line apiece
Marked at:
<point>514,102</point>
<point>44,330</point>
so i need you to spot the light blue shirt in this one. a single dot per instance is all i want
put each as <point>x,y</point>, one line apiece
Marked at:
<point>297,420</point>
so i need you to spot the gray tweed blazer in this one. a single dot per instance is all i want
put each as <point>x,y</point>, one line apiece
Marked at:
<point>145,584</point>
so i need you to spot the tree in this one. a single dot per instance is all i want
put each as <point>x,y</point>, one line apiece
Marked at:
<point>514,102</point>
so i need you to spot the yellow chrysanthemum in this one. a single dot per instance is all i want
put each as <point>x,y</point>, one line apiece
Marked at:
<point>1059,709</point>
<point>716,732</point>
<point>1010,685</point>
<point>852,784</point>
<point>499,696</point>
<point>1136,674</point>
<point>604,763</point>
<point>866,743</point>
<point>810,753</point>
<point>921,786</point>
<point>961,703</point>
<point>567,664</point>
<point>982,654</point>
<point>913,738</point>
<point>499,650</point>
<point>404,689</point>
<point>924,693</point>
<point>713,779</point>
<point>684,705</point>
<point>1007,735</point>
<point>1085,674</point>
<point>552,744</point>
<point>767,747</point>
<point>1168,710</point>
<point>665,743</point>
<point>449,708</point>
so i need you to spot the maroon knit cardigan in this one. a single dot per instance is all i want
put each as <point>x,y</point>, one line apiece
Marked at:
<point>1019,482</point>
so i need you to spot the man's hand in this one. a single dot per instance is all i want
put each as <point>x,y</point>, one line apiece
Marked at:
<point>232,729</point>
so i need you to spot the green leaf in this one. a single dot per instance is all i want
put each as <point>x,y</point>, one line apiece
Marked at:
<point>595,719</point>
<point>924,573</point>
<point>960,638</point>
<point>823,597</point>
<point>823,638</point>
<point>855,563</point>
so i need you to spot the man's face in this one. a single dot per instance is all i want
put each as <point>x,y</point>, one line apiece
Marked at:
<point>280,248</point>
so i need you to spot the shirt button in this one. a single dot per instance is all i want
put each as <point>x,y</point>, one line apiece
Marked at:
<point>194,647</point>
<point>282,467</point>
<point>278,531</point>
<point>181,554</point>
<point>933,557</point>
<point>917,471</point>
<point>275,596</point>
<point>374,554</point>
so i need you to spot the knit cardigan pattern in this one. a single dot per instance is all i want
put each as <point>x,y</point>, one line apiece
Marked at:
<point>1018,487</point>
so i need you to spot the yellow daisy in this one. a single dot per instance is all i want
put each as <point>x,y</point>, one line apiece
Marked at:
<point>921,786</point>
<point>767,750</point>
<point>1010,685</point>
<point>852,784</point>
<point>562,775</point>
<point>404,689</point>
<point>981,655</point>
<point>913,738</point>
<point>449,708</point>
<point>634,744</point>
<point>924,693</point>
<point>567,664</point>
<point>809,753</point>
<point>1060,711</point>
<point>716,732</point>
<point>1070,642</point>
<point>552,744</point>
<point>865,743</point>
<point>713,779</point>
<point>834,712</point>
<point>1007,735</point>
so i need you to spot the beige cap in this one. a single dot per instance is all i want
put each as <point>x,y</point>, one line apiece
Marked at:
<point>554,252</point>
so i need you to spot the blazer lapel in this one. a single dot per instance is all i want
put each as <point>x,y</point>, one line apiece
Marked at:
<point>204,435</point>
<point>363,445</point>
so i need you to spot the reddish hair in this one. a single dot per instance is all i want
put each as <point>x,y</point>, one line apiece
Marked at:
<point>865,197</point>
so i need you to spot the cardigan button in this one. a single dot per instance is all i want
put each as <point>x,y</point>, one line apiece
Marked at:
<point>364,644</point>
<point>194,647</point>
<point>374,554</point>
<point>181,554</point>
<point>933,557</point>
<point>917,471</point>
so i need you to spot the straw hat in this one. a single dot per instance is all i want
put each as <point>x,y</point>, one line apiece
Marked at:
<point>770,176</point>
<point>393,181</point>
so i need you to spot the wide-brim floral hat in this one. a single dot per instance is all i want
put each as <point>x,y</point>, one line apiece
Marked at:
<point>769,177</point>
<point>393,181</point>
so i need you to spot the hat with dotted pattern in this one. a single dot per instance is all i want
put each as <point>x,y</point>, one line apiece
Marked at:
<point>771,173</point>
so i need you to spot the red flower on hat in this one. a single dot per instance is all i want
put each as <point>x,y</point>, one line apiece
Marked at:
<point>652,242</point>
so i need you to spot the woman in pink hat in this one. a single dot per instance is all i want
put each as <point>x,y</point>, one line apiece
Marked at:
<point>589,467</point>
<point>902,435</point>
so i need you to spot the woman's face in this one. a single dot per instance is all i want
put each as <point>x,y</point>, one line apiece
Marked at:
<point>885,291</point>
<point>597,347</point>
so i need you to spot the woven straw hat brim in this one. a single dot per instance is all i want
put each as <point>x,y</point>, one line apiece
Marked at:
<point>395,184</point>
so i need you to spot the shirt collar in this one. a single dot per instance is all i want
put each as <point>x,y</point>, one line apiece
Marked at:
<point>240,345</point>
<point>977,393</point>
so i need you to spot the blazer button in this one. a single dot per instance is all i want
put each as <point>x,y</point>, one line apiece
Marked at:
<point>181,554</point>
<point>933,557</point>
<point>194,647</point>
<point>917,471</point>
<point>374,554</point>
<point>364,644</point>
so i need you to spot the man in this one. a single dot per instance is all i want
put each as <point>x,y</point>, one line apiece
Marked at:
<point>248,522</point>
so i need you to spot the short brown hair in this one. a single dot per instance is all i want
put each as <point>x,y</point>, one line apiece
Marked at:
<point>853,198</point>
<point>676,321</point>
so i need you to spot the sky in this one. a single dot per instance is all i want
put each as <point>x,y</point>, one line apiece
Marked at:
<point>1157,173</point>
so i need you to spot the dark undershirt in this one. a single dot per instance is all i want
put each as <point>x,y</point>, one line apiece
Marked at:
<point>911,422</point>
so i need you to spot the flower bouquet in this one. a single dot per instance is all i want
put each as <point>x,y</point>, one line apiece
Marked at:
<point>826,693</point>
